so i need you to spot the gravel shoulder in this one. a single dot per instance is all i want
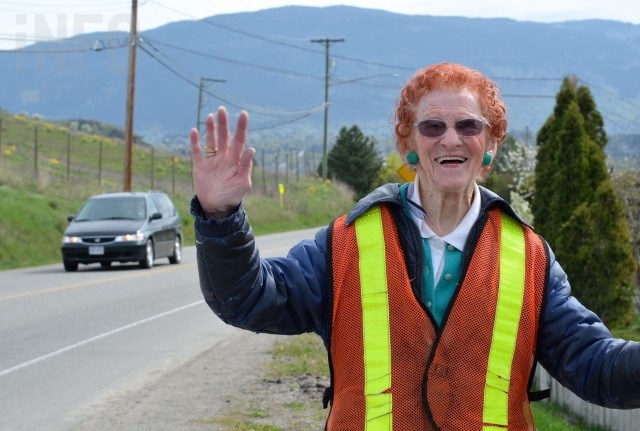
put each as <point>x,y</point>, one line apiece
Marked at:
<point>225,388</point>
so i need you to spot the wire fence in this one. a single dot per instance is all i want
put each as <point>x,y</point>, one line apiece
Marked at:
<point>50,154</point>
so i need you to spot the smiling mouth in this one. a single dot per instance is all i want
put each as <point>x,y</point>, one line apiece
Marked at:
<point>449,160</point>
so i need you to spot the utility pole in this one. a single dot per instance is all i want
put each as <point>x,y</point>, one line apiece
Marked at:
<point>203,81</point>
<point>128,129</point>
<point>326,42</point>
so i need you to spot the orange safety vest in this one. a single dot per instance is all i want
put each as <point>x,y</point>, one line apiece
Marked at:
<point>393,370</point>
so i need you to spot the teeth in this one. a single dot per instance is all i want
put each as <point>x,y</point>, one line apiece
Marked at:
<point>446,159</point>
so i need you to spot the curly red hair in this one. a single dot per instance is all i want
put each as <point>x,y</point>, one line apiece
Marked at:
<point>452,76</point>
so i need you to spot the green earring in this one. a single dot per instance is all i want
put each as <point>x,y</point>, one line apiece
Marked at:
<point>487,158</point>
<point>412,158</point>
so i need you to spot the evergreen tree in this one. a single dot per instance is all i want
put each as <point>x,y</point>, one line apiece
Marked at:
<point>576,209</point>
<point>593,121</point>
<point>546,159</point>
<point>544,176</point>
<point>594,249</point>
<point>578,171</point>
<point>354,160</point>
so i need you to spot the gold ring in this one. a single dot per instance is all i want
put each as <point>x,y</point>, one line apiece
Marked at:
<point>210,151</point>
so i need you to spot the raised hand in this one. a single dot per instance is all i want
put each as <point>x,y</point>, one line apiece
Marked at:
<point>222,170</point>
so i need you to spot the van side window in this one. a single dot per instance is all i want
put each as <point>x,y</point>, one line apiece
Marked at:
<point>153,208</point>
<point>164,204</point>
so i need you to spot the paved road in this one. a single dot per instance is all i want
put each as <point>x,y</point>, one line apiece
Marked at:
<point>68,340</point>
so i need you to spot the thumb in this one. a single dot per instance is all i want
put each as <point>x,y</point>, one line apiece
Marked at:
<point>246,162</point>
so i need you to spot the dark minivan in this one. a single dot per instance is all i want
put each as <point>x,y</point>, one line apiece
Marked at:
<point>123,227</point>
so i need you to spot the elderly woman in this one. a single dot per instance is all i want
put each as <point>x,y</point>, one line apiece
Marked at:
<point>433,298</point>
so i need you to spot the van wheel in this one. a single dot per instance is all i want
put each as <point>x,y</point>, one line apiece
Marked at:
<point>176,257</point>
<point>70,266</point>
<point>149,257</point>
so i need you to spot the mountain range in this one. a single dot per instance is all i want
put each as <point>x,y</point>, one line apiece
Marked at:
<point>272,63</point>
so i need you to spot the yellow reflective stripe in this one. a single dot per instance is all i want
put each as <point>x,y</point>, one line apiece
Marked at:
<point>375,320</point>
<point>507,322</point>
<point>378,416</point>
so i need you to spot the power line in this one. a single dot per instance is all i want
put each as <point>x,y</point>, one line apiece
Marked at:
<point>530,96</point>
<point>242,32</point>
<point>270,112</point>
<point>58,5</point>
<point>289,117</point>
<point>90,45</point>
<point>608,93</point>
<point>232,61</point>
<point>531,78</point>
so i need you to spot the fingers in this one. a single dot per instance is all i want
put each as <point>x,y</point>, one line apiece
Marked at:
<point>223,130</point>
<point>195,143</point>
<point>240,135</point>
<point>210,124</point>
<point>217,134</point>
<point>246,162</point>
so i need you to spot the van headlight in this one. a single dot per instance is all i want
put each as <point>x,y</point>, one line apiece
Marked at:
<point>130,237</point>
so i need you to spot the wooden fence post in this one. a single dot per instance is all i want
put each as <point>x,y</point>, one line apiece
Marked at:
<point>264,175</point>
<point>35,153</point>
<point>276,166</point>
<point>68,155</point>
<point>173,173</point>
<point>152,166</point>
<point>286,168</point>
<point>100,164</point>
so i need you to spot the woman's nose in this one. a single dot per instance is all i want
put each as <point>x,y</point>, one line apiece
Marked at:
<point>451,137</point>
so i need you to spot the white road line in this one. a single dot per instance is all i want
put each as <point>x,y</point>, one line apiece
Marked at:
<point>92,339</point>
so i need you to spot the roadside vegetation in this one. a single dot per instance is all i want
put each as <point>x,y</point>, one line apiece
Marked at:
<point>34,217</point>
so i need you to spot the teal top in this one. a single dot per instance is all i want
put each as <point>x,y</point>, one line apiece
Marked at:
<point>436,297</point>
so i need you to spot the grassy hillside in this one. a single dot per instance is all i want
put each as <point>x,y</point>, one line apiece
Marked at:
<point>47,171</point>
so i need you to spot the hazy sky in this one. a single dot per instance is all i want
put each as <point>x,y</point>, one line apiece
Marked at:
<point>25,21</point>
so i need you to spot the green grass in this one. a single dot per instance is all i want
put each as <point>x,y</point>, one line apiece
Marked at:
<point>629,332</point>
<point>236,424</point>
<point>552,417</point>
<point>34,217</point>
<point>300,355</point>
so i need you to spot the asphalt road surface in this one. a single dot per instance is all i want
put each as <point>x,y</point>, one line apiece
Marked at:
<point>71,340</point>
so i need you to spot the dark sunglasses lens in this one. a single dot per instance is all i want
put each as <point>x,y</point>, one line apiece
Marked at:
<point>469,127</point>
<point>432,128</point>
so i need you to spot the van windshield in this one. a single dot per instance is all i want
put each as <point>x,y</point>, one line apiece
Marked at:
<point>117,208</point>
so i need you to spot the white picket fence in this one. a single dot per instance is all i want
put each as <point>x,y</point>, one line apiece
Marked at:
<point>611,419</point>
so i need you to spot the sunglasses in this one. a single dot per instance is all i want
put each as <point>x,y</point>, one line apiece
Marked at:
<point>435,128</point>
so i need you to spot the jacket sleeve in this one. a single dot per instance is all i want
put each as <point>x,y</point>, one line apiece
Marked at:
<point>276,295</point>
<point>580,352</point>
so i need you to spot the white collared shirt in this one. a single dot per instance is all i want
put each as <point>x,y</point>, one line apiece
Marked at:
<point>457,238</point>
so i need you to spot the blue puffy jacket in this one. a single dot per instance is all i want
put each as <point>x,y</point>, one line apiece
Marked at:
<point>291,295</point>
